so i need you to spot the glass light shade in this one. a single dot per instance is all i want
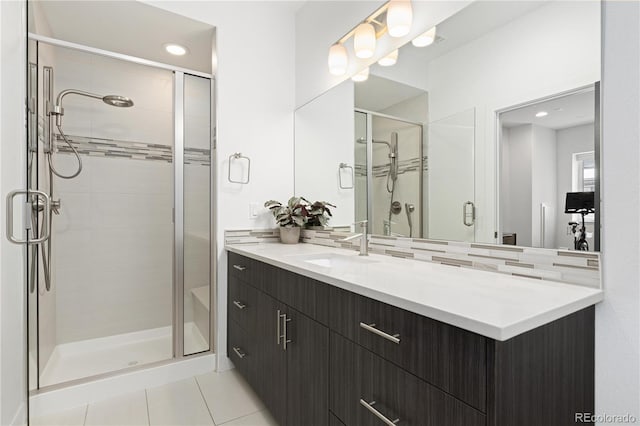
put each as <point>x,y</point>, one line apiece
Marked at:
<point>364,41</point>
<point>338,59</point>
<point>361,76</point>
<point>425,39</point>
<point>399,18</point>
<point>389,60</point>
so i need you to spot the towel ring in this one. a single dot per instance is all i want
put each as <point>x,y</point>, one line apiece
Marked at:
<point>341,167</point>
<point>240,157</point>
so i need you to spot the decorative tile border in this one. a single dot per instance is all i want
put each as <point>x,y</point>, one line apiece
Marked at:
<point>97,147</point>
<point>565,266</point>
<point>404,166</point>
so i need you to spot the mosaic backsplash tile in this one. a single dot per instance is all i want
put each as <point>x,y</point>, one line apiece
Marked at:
<point>404,166</point>
<point>571,267</point>
<point>97,147</point>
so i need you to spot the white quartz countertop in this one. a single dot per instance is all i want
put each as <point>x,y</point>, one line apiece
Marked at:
<point>494,305</point>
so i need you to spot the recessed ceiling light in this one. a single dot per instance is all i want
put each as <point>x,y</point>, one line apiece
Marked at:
<point>175,49</point>
<point>542,114</point>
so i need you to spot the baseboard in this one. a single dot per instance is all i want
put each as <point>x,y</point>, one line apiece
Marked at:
<point>224,363</point>
<point>63,397</point>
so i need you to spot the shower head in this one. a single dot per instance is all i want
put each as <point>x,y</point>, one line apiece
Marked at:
<point>118,101</point>
<point>113,100</point>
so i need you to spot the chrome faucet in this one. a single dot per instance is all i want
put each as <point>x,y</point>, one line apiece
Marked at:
<point>364,238</point>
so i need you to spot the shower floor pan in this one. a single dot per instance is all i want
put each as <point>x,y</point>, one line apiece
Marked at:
<point>86,358</point>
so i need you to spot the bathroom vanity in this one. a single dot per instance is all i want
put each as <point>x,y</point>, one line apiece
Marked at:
<point>326,337</point>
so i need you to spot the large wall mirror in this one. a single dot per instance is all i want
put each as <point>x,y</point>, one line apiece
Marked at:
<point>489,134</point>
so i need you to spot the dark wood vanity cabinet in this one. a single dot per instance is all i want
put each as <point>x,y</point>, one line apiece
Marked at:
<point>354,361</point>
<point>281,352</point>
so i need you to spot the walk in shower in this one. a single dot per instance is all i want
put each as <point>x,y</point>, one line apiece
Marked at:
<point>123,150</point>
<point>389,165</point>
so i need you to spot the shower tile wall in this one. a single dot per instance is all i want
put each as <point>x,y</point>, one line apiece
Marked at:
<point>407,188</point>
<point>113,239</point>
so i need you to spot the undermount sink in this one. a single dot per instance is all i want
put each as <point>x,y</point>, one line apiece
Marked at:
<point>333,260</point>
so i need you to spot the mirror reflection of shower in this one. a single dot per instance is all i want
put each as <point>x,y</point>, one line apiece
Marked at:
<point>386,191</point>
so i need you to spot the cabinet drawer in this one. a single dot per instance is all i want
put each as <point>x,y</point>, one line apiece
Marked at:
<point>365,388</point>
<point>255,273</point>
<point>242,350</point>
<point>243,304</point>
<point>450,358</point>
<point>304,294</point>
<point>240,267</point>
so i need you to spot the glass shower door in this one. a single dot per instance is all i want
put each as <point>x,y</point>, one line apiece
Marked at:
<point>104,282</point>
<point>197,217</point>
<point>450,178</point>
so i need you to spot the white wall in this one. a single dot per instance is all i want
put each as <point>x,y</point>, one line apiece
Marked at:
<point>255,104</point>
<point>544,186</point>
<point>502,69</point>
<point>516,203</point>
<point>324,138</point>
<point>13,354</point>
<point>570,141</point>
<point>618,316</point>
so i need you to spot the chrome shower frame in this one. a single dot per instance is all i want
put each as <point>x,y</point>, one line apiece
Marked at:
<point>178,254</point>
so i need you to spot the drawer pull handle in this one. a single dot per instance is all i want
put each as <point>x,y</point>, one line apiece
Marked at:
<point>239,352</point>
<point>240,267</point>
<point>372,328</point>
<point>239,305</point>
<point>378,414</point>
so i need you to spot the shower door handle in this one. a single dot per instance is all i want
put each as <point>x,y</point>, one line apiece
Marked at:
<point>29,225</point>
<point>465,215</point>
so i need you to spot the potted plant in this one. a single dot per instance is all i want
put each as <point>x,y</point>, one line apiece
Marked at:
<point>319,214</point>
<point>290,217</point>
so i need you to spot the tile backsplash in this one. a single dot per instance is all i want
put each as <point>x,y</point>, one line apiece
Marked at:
<point>571,267</point>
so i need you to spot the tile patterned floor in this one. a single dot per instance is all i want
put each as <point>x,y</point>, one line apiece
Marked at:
<point>212,399</point>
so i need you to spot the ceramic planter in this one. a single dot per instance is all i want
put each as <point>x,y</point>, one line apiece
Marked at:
<point>290,235</point>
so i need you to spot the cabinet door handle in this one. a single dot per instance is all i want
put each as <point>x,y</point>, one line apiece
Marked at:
<point>372,328</point>
<point>278,334</point>
<point>240,267</point>
<point>239,305</point>
<point>465,215</point>
<point>285,338</point>
<point>378,414</point>
<point>239,352</point>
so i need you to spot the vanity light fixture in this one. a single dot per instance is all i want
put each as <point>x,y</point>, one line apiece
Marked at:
<point>541,114</point>
<point>364,40</point>
<point>338,60</point>
<point>389,60</point>
<point>175,49</point>
<point>399,18</point>
<point>393,17</point>
<point>425,39</point>
<point>361,76</point>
